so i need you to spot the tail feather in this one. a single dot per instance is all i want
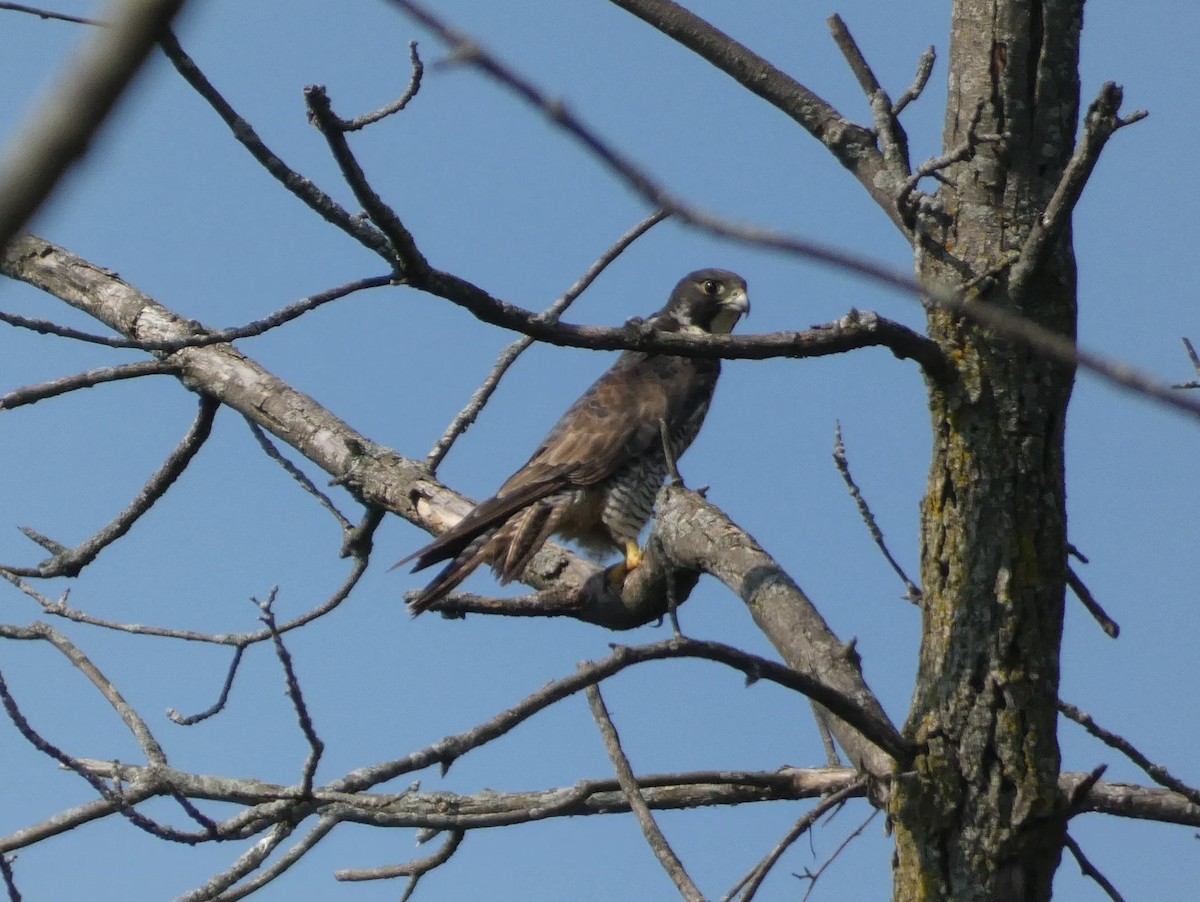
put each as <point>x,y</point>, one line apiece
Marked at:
<point>464,564</point>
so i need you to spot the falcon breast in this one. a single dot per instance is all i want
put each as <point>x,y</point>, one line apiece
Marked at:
<point>595,476</point>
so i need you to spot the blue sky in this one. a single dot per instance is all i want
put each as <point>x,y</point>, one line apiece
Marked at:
<point>497,196</point>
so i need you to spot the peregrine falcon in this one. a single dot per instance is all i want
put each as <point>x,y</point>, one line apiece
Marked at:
<point>594,477</point>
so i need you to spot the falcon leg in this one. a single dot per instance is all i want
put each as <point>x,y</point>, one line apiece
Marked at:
<point>618,573</point>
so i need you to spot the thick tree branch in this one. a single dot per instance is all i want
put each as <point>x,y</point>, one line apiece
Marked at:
<point>60,130</point>
<point>699,536</point>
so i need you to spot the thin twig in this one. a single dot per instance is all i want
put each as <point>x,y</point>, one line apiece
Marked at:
<point>247,863</point>
<point>1195,359</point>
<point>1157,773</point>
<point>1111,628</point>
<point>924,70</point>
<point>219,705</point>
<point>51,14</point>
<point>1099,124</point>
<point>414,869</point>
<point>303,189</point>
<point>414,85</point>
<point>60,608</point>
<point>887,127</point>
<point>60,129</point>
<point>81,662</point>
<point>508,356</point>
<point>10,880</point>
<point>1089,870</point>
<point>911,592</point>
<point>69,562</point>
<point>654,836</point>
<point>315,744</point>
<point>297,474</point>
<point>411,263</point>
<point>111,796</point>
<point>283,863</point>
<point>33,393</point>
<point>814,876</point>
<point>201,338</point>
<point>749,885</point>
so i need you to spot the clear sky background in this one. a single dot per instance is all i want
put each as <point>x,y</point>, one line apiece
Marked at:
<point>494,194</point>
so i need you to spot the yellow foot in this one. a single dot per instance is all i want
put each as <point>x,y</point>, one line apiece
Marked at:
<point>618,573</point>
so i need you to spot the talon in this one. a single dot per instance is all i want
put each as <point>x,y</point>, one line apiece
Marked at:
<point>619,572</point>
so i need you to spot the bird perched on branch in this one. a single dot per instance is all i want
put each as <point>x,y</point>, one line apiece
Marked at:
<point>594,478</point>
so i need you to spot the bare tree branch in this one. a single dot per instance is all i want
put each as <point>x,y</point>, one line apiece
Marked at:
<point>414,869</point>
<point>888,130</point>
<point>297,474</point>
<point>1101,121</point>
<point>1155,772</point>
<point>50,14</point>
<point>654,836</point>
<point>315,745</point>
<point>911,592</point>
<point>303,189</point>
<point>413,265</point>
<point>1090,870</point>
<point>34,393</point>
<point>748,886</point>
<point>814,876</point>
<point>920,80</point>
<point>702,537</point>
<point>59,131</point>
<point>1195,359</point>
<point>219,705</point>
<point>414,85</point>
<point>199,338</point>
<point>1111,628</point>
<point>132,720</point>
<point>69,562</point>
<point>60,608</point>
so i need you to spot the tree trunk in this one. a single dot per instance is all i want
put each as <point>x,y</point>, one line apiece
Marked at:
<point>980,816</point>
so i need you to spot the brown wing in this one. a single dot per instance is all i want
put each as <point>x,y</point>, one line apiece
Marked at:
<point>615,420</point>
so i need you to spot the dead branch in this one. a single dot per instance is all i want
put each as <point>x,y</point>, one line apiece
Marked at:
<point>911,592</point>
<point>700,536</point>
<point>654,836</point>
<point>1101,121</point>
<point>748,886</point>
<point>316,746</point>
<point>1155,772</point>
<point>50,14</point>
<point>887,127</point>
<point>69,562</point>
<point>1111,628</point>
<point>414,86</point>
<point>413,266</point>
<point>60,608</point>
<point>303,189</point>
<point>920,80</point>
<point>1090,870</point>
<point>34,393</point>
<point>60,130</point>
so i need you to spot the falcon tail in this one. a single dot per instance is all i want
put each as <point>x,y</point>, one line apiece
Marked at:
<point>465,562</point>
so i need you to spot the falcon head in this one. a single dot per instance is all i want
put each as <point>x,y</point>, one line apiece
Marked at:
<point>706,301</point>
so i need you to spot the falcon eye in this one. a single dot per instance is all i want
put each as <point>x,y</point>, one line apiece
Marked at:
<point>711,287</point>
